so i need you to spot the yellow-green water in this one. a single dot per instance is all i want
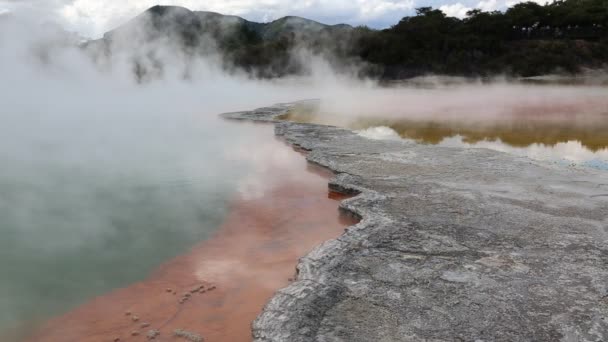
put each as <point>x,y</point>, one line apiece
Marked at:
<point>572,136</point>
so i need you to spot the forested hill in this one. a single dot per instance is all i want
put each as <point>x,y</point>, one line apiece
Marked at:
<point>528,39</point>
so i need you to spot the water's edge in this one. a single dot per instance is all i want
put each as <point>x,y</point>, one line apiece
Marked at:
<point>281,211</point>
<point>453,243</point>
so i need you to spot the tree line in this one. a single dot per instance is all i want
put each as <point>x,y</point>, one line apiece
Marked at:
<point>528,39</point>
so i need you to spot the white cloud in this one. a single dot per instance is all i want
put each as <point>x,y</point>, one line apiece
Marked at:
<point>457,10</point>
<point>460,10</point>
<point>376,8</point>
<point>488,5</point>
<point>510,3</point>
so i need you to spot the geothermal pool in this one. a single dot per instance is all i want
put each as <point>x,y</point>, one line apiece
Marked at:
<point>82,216</point>
<point>239,235</point>
<point>568,133</point>
<point>103,216</point>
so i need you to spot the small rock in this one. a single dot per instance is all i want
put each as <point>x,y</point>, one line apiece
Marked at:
<point>152,334</point>
<point>135,333</point>
<point>135,318</point>
<point>169,290</point>
<point>128,313</point>
<point>145,325</point>
<point>190,336</point>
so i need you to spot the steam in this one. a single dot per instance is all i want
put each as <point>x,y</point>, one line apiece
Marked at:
<point>472,100</point>
<point>105,177</point>
<point>91,154</point>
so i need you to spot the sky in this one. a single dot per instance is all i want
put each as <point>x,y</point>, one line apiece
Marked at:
<point>91,18</point>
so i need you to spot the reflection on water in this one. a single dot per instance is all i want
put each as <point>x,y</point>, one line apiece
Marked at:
<point>571,152</point>
<point>567,135</point>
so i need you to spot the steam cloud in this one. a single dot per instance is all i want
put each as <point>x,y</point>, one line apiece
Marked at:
<point>104,177</point>
<point>83,144</point>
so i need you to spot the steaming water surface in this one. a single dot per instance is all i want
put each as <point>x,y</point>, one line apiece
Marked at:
<point>566,125</point>
<point>103,178</point>
<point>81,218</point>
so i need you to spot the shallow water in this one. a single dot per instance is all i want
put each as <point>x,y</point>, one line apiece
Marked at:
<point>580,141</point>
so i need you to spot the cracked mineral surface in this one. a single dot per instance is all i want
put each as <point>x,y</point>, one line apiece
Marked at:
<point>454,245</point>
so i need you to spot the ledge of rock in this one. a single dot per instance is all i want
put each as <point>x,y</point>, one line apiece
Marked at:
<point>454,245</point>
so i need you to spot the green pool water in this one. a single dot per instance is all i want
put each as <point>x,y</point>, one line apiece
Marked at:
<point>80,216</point>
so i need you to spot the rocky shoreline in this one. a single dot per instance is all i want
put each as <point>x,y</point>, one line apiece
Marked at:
<point>454,245</point>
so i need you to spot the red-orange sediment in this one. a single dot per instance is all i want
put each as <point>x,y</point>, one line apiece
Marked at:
<point>252,255</point>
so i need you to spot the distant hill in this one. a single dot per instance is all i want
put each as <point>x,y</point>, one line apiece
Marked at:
<point>262,49</point>
<point>172,21</point>
<point>297,26</point>
<point>526,40</point>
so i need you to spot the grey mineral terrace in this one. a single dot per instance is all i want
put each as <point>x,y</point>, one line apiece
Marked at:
<point>454,245</point>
